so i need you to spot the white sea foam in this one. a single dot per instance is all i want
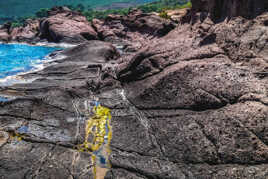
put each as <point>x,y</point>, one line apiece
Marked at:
<point>45,44</point>
<point>61,45</point>
<point>37,66</point>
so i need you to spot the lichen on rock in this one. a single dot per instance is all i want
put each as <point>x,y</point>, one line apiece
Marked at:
<point>98,134</point>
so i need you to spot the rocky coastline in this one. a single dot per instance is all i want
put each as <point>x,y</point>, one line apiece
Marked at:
<point>189,100</point>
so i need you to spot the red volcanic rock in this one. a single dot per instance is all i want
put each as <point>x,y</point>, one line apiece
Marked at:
<point>133,30</point>
<point>4,36</point>
<point>202,89</point>
<point>64,25</point>
<point>220,9</point>
<point>27,33</point>
<point>4,32</point>
<point>190,103</point>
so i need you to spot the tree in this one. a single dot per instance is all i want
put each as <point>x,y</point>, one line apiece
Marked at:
<point>80,7</point>
<point>43,12</point>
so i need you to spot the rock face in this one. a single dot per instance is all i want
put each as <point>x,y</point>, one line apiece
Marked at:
<point>64,25</point>
<point>177,15</point>
<point>190,103</point>
<point>133,30</point>
<point>219,10</point>
<point>4,32</point>
<point>202,90</point>
<point>28,33</point>
<point>38,129</point>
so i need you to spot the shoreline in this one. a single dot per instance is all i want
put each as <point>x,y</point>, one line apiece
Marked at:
<point>43,44</point>
<point>43,63</point>
<point>40,65</point>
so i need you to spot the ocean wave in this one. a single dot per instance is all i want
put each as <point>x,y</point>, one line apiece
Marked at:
<point>44,44</point>
<point>36,66</point>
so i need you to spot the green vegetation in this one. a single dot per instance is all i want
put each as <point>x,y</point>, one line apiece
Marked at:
<point>159,6</point>
<point>163,5</point>
<point>91,14</point>
<point>164,15</point>
<point>21,8</point>
<point>43,12</point>
<point>20,21</point>
<point>16,24</point>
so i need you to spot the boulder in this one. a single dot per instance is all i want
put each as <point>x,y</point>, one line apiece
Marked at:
<point>219,10</point>
<point>4,36</point>
<point>177,15</point>
<point>4,32</point>
<point>28,33</point>
<point>133,30</point>
<point>64,25</point>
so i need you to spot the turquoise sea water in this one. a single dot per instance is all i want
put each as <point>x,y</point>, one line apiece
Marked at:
<point>17,58</point>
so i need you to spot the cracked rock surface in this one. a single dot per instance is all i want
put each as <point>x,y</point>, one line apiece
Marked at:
<point>192,104</point>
